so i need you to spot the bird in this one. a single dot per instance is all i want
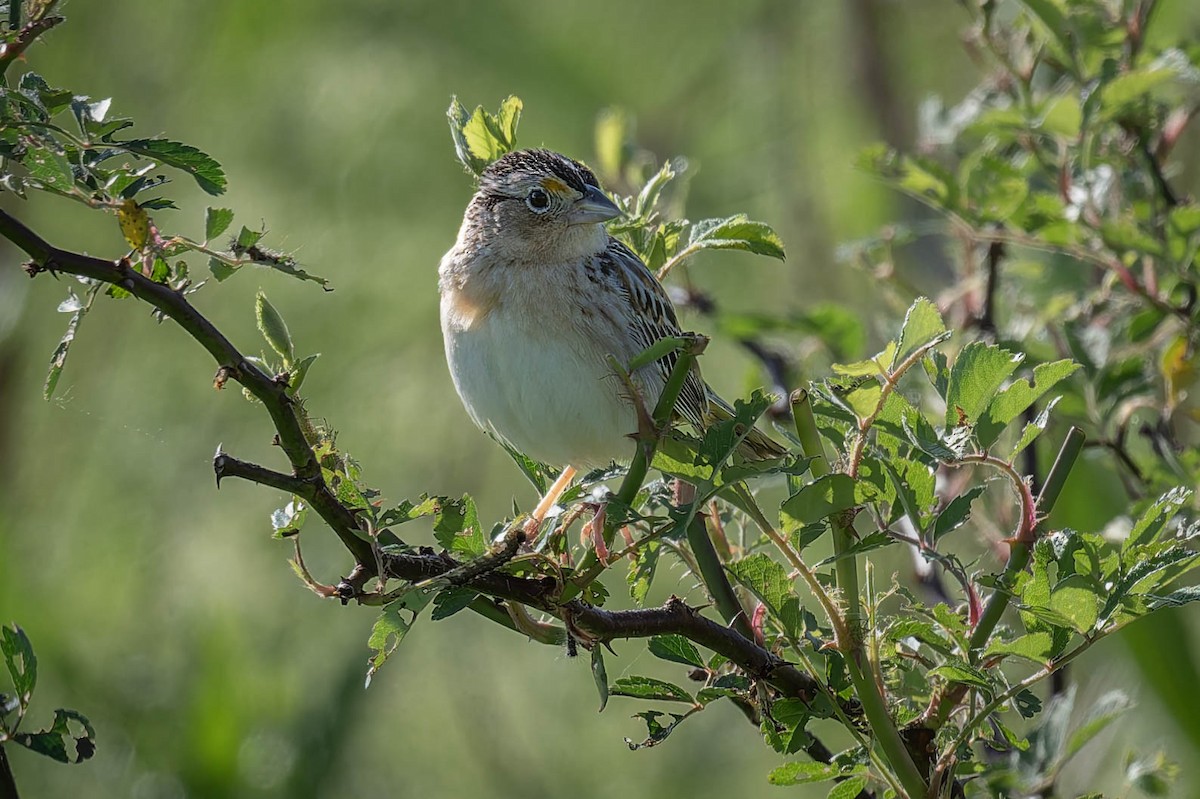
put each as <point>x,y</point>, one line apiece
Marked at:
<point>535,295</point>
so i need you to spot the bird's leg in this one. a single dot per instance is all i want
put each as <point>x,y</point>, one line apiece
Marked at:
<point>594,530</point>
<point>547,502</point>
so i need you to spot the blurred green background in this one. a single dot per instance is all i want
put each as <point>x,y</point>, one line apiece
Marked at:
<point>163,610</point>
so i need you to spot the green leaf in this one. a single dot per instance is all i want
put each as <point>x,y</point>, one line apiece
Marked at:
<point>803,773</point>
<point>299,372</point>
<point>456,527</point>
<point>600,675</point>
<point>784,728</point>
<point>978,372</point>
<point>769,581</point>
<point>21,662</point>
<point>1013,400</point>
<point>220,270</point>
<point>959,671</point>
<point>1038,647</point>
<point>1177,598</point>
<point>957,512</point>
<point>391,627</point>
<point>736,232</point>
<point>247,238</point>
<point>1155,518</point>
<point>1078,601</point>
<point>1136,85</point>
<point>201,166</point>
<point>1033,429</point>
<point>274,329</point>
<point>216,222</point>
<point>823,497</point>
<point>650,688</point>
<point>49,168</point>
<point>479,137</point>
<point>450,601</point>
<point>676,649</point>
<point>847,789</point>
<point>922,326</point>
<point>53,742</point>
<point>868,543</point>
<point>641,571</point>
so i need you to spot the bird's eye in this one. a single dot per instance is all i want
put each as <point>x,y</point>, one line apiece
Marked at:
<point>538,201</point>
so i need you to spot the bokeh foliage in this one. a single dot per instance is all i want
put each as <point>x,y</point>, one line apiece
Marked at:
<point>386,212</point>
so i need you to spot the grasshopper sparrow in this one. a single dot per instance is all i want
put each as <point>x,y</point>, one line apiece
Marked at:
<point>535,294</point>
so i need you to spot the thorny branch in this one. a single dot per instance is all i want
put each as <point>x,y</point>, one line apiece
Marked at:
<point>588,623</point>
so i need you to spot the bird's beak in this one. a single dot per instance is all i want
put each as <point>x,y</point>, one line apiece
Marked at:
<point>593,206</point>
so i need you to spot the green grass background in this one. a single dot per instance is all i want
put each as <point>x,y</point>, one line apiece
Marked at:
<point>163,610</point>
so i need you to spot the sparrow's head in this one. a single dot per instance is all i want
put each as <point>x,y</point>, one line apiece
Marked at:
<point>540,202</point>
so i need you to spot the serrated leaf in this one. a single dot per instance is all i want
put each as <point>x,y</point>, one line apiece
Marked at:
<point>823,497</point>
<point>957,512</point>
<point>219,269</point>
<point>1155,518</point>
<point>1033,429</point>
<point>479,137</point>
<point>959,671</point>
<point>922,325</point>
<point>769,581</point>
<point>736,232</point>
<point>247,238</point>
<point>784,729</point>
<point>650,688</point>
<point>216,222</point>
<point>641,571</point>
<point>49,168</point>
<point>847,789</point>
<point>201,166</point>
<point>456,527</point>
<point>391,627</point>
<point>1037,646</point>
<point>53,742</point>
<point>676,649</point>
<point>274,330</point>
<point>803,773</point>
<point>978,371</point>
<point>1013,400</point>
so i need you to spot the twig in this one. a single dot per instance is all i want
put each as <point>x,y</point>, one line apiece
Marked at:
<point>987,314</point>
<point>1020,547</point>
<point>231,362</point>
<point>712,571</point>
<point>675,617</point>
<point>12,51</point>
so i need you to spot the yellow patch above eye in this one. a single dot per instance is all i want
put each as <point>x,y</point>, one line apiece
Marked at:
<point>555,186</point>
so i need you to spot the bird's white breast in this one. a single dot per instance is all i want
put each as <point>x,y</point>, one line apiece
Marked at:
<point>529,370</point>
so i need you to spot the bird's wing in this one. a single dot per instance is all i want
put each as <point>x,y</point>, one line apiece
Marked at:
<point>652,317</point>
